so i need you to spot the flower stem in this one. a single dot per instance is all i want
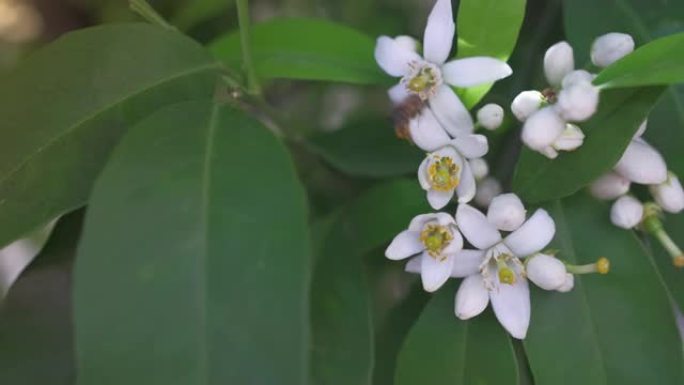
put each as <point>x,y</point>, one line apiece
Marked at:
<point>654,226</point>
<point>145,10</point>
<point>243,19</point>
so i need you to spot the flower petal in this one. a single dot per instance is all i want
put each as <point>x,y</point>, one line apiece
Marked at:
<point>419,221</point>
<point>475,227</point>
<point>471,146</point>
<point>413,265</point>
<point>423,173</point>
<point>511,305</point>
<point>404,245</point>
<point>473,71</point>
<point>450,112</point>
<point>456,244</point>
<point>439,199</point>
<point>467,262</point>
<point>435,273</point>
<point>426,132</point>
<point>471,298</point>
<point>533,235</point>
<point>642,163</point>
<point>439,33</point>
<point>398,93</point>
<point>392,57</point>
<point>467,187</point>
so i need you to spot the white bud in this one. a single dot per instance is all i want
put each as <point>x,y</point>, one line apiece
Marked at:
<point>526,104</point>
<point>479,167</point>
<point>669,195</point>
<point>578,102</point>
<point>558,62</point>
<point>641,130</point>
<point>571,138</point>
<point>542,129</point>
<point>407,42</point>
<point>576,77</point>
<point>610,186</point>
<point>568,284</point>
<point>506,212</point>
<point>610,48</point>
<point>549,152</point>
<point>626,212</point>
<point>486,191</point>
<point>642,163</point>
<point>490,116</point>
<point>546,271</point>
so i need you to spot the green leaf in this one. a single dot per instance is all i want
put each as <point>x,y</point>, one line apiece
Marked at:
<point>193,12</point>
<point>67,105</point>
<point>660,62</point>
<point>612,329</point>
<point>487,28</point>
<point>443,350</point>
<point>36,332</point>
<point>367,148</point>
<point>306,49</point>
<point>194,262</point>
<point>342,348</point>
<point>539,179</point>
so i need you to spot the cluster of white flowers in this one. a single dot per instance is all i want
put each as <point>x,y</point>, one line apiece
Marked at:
<point>438,122</point>
<point>642,164</point>
<point>550,117</point>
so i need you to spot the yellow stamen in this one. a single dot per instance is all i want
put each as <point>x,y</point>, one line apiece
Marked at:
<point>603,265</point>
<point>443,174</point>
<point>436,238</point>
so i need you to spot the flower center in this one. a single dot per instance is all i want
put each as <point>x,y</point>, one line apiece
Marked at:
<point>422,79</point>
<point>436,238</point>
<point>443,174</point>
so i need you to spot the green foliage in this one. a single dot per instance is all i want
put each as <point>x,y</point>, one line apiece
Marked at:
<point>187,260</point>
<point>67,105</point>
<point>539,179</point>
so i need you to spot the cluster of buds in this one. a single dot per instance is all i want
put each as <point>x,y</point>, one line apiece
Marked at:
<point>642,164</point>
<point>551,117</point>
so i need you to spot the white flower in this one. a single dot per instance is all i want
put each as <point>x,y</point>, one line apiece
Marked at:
<point>577,77</point>
<point>546,271</point>
<point>447,171</point>
<point>610,48</point>
<point>506,212</point>
<point>500,276</point>
<point>642,164</point>
<point>479,167</point>
<point>490,116</point>
<point>578,102</point>
<point>626,212</point>
<point>542,129</point>
<point>669,194</point>
<point>487,189</point>
<point>558,62</point>
<point>568,284</point>
<point>437,240</point>
<point>526,104</point>
<point>570,139</point>
<point>430,76</point>
<point>610,186</point>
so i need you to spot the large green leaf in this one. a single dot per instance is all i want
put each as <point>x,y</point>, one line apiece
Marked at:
<point>612,329</point>
<point>66,106</point>
<point>367,148</point>
<point>608,133</point>
<point>660,62</point>
<point>342,348</point>
<point>306,49</point>
<point>194,262</point>
<point>487,28</point>
<point>443,350</point>
<point>36,333</point>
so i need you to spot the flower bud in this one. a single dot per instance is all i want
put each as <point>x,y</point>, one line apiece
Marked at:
<point>407,43</point>
<point>568,284</point>
<point>558,62</point>
<point>641,130</point>
<point>571,138</point>
<point>669,195</point>
<point>610,48</point>
<point>549,152</point>
<point>578,102</point>
<point>546,271</point>
<point>479,167</point>
<point>610,186</point>
<point>490,116</point>
<point>642,164</point>
<point>526,104</point>
<point>486,191</point>
<point>626,212</point>
<point>506,212</point>
<point>542,129</point>
<point>577,77</point>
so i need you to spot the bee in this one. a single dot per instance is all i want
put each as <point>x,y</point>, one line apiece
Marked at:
<point>403,113</point>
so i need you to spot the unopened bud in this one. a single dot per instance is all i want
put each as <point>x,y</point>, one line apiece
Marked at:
<point>526,104</point>
<point>568,284</point>
<point>479,167</point>
<point>610,48</point>
<point>642,164</point>
<point>571,138</point>
<point>490,116</point>
<point>610,186</point>
<point>486,191</point>
<point>546,271</point>
<point>576,77</point>
<point>542,129</point>
<point>558,62</point>
<point>626,212</point>
<point>506,212</point>
<point>578,102</point>
<point>669,195</point>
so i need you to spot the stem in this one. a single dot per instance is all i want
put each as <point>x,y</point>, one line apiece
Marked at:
<point>243,19</point>
<point>654,226</point>
<point>145,10</point>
